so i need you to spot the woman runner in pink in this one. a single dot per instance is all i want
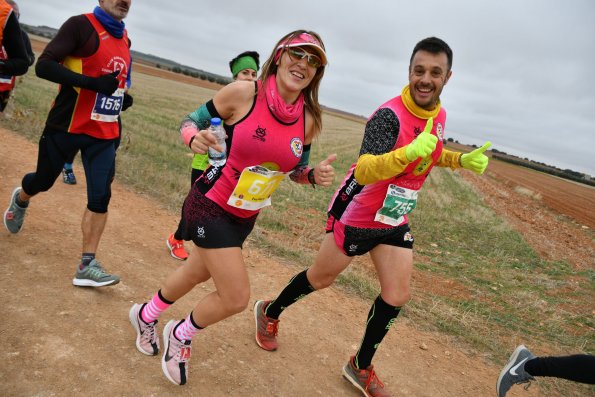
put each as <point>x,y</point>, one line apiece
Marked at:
<point>270,125</point>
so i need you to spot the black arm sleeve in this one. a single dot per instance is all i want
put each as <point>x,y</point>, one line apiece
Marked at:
<point>382,131</point>
<point>17,63</point>
<point>55,72</point>
<point>211,108</point>
<point>28,48</point>
<point>76,37</point>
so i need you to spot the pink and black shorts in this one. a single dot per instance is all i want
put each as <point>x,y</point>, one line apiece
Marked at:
<point>210,226</point>
<point>355,241</point>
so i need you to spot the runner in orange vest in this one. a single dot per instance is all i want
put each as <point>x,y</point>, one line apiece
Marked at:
<point>7,82</point>
<point>14,60</point>
<point>90,59</point>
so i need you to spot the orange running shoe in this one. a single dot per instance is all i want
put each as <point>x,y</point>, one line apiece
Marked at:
<point>266,328</point>
<point>176,248</point>
<point>365,380</point>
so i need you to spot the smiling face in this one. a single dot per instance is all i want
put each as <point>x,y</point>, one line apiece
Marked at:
<point>117,9</point>
<point>293,75</point>
<point>428,74</point>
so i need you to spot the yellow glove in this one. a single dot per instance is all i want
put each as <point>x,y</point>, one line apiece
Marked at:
<point>423,145</point>
<point>476,161</point>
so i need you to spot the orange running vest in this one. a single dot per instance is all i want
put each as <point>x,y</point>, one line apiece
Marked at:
<point>5,10</point>
<point>6,82</point>
<point>96,114</point>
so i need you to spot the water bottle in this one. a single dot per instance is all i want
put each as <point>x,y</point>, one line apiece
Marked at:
<point>216,158</point>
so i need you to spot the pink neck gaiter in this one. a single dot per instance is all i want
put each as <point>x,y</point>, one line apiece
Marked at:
<point>287,113</point>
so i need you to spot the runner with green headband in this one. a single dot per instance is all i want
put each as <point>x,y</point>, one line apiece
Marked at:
<point>245,66</point>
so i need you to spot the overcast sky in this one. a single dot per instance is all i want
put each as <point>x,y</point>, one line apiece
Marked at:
<point>523,71</point>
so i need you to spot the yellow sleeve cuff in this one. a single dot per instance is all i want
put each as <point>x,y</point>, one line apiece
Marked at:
<point>449,159</point>
<point>371,168</point>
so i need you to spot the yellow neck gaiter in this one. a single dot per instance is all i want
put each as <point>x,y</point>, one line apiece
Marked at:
<point>416,110</point>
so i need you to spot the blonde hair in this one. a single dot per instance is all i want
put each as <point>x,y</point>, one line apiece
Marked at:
<point>311,91</point>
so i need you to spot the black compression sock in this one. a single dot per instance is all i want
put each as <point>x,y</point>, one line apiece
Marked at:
<point>298,287</point>
<point>380,318</point>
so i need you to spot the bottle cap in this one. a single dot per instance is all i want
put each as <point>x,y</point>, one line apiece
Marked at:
<point>215,121</point>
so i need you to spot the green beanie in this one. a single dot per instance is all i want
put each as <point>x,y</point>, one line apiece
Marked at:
<point>242,63</point>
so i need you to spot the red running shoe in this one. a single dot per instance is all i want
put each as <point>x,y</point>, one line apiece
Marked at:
<point>266,328</point>
<point>365,380</point>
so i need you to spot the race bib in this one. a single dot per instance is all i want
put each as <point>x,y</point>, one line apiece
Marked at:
<point>255,187</point>
<point>5,79</point>
<point>397,203</point>
<point>107,107</point>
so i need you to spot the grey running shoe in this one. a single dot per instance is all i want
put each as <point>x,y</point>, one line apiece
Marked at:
<point>93,275</point>
<point>514,371</point>
<point>266,328</point>
<point>147,341</point>
<point>365,380</point>
<point>176,354</point>
<point>68,177</point>
<point>14,215</point>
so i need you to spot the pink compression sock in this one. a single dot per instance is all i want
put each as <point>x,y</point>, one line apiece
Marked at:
<point>153,308</point>
<point>187,329</point>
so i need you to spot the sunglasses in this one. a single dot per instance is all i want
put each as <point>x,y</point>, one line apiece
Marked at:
<point>299,54</point>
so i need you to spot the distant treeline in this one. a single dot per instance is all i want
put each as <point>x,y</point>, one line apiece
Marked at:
<point>566,174</point>
<point>43,31</point>
<point>197,74</point>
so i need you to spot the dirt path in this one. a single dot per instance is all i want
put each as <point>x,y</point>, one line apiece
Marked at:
<point>58,340</point>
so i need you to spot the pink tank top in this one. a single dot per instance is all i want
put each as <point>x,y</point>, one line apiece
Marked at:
<point>356,205</point>
<point>258,139</point>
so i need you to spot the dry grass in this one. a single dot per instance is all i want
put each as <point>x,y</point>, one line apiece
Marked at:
<point>527,192</point>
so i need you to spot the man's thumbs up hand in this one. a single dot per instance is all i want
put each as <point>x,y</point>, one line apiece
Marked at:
<point>423,145</point>
<point>476,161</point>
